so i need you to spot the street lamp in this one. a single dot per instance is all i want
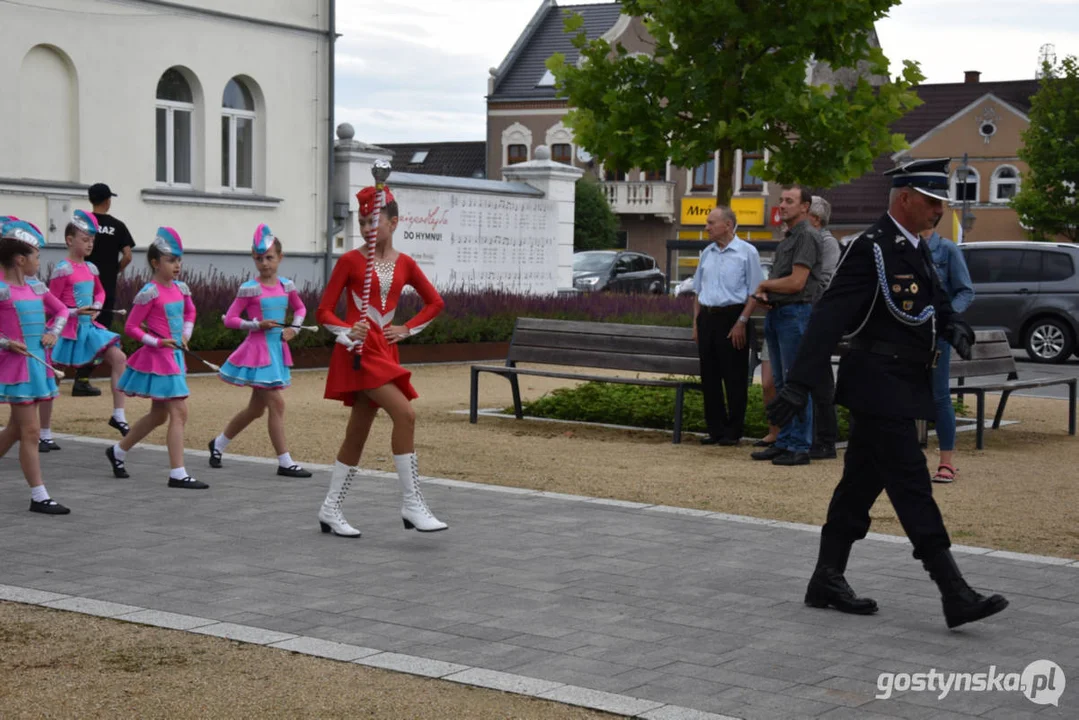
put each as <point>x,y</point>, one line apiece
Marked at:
<point>962,174</point>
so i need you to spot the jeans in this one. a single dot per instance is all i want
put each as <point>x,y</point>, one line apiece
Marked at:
<point>784,327</point>
<point>942,396</point>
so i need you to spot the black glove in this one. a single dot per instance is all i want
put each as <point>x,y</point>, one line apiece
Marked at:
<point>960,336</point>
<point>790,402</point>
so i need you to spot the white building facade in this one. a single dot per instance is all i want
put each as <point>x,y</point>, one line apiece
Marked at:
<point>209,116</point>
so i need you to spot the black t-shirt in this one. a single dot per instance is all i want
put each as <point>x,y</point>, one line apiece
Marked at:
<point>111,239</point>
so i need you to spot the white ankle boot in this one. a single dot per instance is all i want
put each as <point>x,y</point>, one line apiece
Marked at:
<point>414,510</point>
<point>330,517</point>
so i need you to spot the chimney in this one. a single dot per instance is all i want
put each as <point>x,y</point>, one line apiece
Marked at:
<point>972,76</point>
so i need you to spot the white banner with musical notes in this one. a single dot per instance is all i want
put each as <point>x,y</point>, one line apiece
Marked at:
<point>472,241</point>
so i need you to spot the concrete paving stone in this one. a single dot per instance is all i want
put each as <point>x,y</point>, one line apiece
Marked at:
<point>243,633</point>
<point>87,606</point>
<point>172,621</point>
<point>506,682</point>
<point>410,664</point>
<point>778,701</point>
<point>324,648</point>
<point>607,702</point>
<point>28,595</point>
<point>676,712</point>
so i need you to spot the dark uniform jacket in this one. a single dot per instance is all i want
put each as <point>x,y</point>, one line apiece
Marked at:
<point>888,369</point>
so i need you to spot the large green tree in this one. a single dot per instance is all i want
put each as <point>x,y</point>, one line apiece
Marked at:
<point>1046,201</point>
<point>595,226</point>
<point>731,74</point>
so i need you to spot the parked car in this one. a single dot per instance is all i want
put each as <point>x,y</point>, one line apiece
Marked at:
<point>1031,290</point>
<point>617,271</point>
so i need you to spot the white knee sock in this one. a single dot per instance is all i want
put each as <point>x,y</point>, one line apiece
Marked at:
<point>46,433</point>
<point>118,415</point>
<point>118,453</point>
<point>285,460</point>
<point>178,473</point>
<point>39,493</point>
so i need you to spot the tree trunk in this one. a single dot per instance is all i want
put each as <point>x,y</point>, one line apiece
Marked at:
<point>725,175</point>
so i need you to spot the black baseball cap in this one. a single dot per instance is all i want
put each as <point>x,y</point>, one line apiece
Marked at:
<point>100,192</point>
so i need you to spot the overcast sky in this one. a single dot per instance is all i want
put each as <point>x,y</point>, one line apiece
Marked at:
<point>416,70</point>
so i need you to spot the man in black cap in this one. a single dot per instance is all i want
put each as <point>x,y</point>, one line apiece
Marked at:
<point>885,298</point>
<point>111,254</point>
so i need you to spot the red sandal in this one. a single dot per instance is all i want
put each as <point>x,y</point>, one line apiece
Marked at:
<point>945,473</point>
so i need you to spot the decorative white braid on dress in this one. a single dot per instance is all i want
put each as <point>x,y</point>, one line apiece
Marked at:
<point>913,320</point>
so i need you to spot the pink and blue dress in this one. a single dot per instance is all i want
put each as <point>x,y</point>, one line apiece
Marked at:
<point>160,312</point>
<point>263,359</point>
<point>84,341</point>
<point>25,314</point>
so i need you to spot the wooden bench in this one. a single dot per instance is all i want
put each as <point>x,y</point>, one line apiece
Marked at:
<point>612,346</point>
<point>993,356</point>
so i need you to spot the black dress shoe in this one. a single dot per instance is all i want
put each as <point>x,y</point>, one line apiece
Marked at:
<point>82,388</point>
<point>822,452</point>
<point>46,446</point>
<point>215,454</point>
<point>728,442</point>
<point>118,469</point>
<point>762,443</point>
<point>48,507</point>
<point>828,588</point>
<point>791,458</point>
<point>769,453</point>
<point>123,427</point>
<point>710,440</point>
<point>188,483</point>
<point>293,471</point>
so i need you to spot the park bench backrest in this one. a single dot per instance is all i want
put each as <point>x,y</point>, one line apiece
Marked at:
<point>992,356</point>
<point>612,346</point>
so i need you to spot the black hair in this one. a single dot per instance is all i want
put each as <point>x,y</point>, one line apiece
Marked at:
<point>10,248</point>
<point>806,196</point>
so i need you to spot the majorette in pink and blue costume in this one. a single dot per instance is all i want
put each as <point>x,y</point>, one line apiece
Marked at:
<point>156,372</point>
<point>24,313</point>
<point>77,285</point>
<point>263,359</point>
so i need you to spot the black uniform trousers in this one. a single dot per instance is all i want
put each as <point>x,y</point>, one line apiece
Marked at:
<point>883,453</point>
<point>825,420</point>
<point>723,368</point>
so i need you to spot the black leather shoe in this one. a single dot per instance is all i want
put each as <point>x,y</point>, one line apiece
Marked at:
<point>709,440</point>
<point>770,453</point>
<point>48,507</point>
<point>188,483</point>
<point>828,588</point>
<point>215,454</point>
<point>47,446</point>
<point>789,458</point>
<point>118,469</point>
<point>962,604</point>
<point>123,427</point>
<point>721,441</point>
<point>762,443</point>
<point>82,388</point>
<point>729,442</point>
<point>294,471</point>
<point>822,452</point>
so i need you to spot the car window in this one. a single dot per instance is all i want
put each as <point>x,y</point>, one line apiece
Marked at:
<point>1003,265</point>
<point>597,262</point>
<point>640,263</point>
<point>1056,266</point>
<point>624,263</point>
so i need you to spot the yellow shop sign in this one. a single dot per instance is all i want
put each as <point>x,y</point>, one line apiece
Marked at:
<point>750,210</point>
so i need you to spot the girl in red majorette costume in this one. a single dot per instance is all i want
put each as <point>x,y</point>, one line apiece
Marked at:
<point>365,372</point>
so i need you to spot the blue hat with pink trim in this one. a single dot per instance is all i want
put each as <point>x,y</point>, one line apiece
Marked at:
<point>168,241</point>
<point>22,230</point>
<point>263,240</point>
<point>86,222</point>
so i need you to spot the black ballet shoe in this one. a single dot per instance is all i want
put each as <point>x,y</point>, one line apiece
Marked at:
<point>118,469</point>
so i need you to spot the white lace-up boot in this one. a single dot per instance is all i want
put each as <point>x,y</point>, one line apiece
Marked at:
<point>414,509</point>
<point>330,517</point>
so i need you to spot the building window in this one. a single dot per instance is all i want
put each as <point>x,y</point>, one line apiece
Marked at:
<point>612,175</point>
<point>175,108</point>
<point>562,153</point>
<point>419,157</point>
<point>516,154</point>
<point>655,175</point>
<point>750,181</point>
<point>547,80</point>
<point>237,137</point>
<point>1004,185</point>
<point>704,176</point>
<point>965,191</point>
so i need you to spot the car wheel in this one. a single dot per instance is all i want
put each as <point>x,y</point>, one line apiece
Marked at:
<point>656,287</point>
<point>1048,341</point>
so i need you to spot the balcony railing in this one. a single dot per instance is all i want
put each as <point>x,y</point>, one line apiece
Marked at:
<point>641,198</point>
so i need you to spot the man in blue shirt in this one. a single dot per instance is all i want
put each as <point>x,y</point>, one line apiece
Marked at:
<point>727,274</point>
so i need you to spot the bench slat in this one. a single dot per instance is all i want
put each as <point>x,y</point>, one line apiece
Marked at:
<point>988,351</point>
<point>1013,385</point>
<point>977,368</point>
<point>597,328</point>
<point>535,372</point>
<point>609,343</point>
<point>609,361</point>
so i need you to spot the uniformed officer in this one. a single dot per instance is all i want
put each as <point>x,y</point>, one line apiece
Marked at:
<point>885,298</point>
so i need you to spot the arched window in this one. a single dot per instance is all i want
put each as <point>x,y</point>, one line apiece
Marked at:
<point>237,137</point>
<point>965,191</point>
<point>1004,184</point>
<point>175,129</point>
<point>45,117</point>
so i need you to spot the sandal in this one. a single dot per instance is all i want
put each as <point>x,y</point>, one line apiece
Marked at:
<point>945,473</point>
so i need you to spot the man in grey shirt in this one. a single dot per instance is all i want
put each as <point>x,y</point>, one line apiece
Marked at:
<point>825,420</point>
<point>820,213</point>
<point>789,293</point>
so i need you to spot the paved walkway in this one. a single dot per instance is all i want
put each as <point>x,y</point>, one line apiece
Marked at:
<point>641,610</point>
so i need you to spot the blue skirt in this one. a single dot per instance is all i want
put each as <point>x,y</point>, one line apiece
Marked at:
<point>90,343</point>
<point>38,387</point>
<point>274,376</point>
<point>151,385</point>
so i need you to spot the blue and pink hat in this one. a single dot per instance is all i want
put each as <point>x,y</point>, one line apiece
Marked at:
<point>168,242</point>
<point>263,240</point>
<point>86,222</point>
<point>27,232</point>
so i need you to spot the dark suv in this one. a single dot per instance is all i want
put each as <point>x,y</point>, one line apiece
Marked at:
<point>617,271</point>
<point>1031,290</point>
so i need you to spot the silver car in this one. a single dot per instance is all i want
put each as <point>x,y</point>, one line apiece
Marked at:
<point>1031,290</point>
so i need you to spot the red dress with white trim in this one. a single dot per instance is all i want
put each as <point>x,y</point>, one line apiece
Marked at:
<point>379,361</point>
